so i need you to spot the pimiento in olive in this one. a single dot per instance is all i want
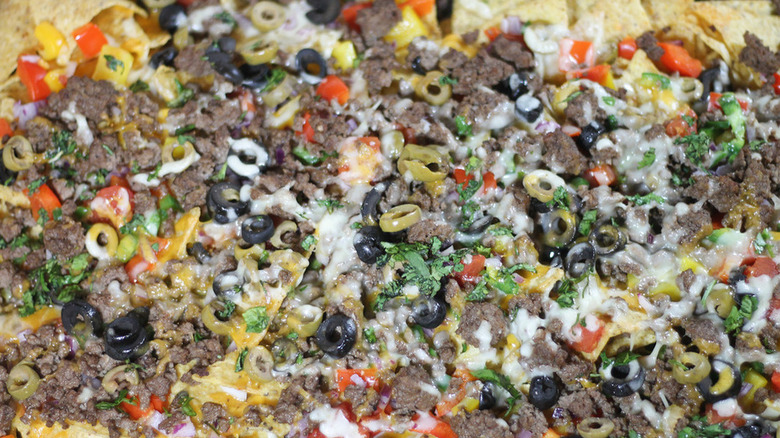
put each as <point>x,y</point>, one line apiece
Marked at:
<point>227,284</point>
<point>78,312</point>
<point>724,381</point>
<point>368,209</point>
<point>323,11</point>
<point>336,335</point>
<point>171,17</point>
<point>580,259</point>
<point>311,65</point>
<point>257,229</point>
<point>255,76</point>
<point>428,312</point>
<point>589,134</point>
<point>514,85</point>
<point>128,337</point>
<point>368,244</point>
<point>543,392</point>
<point>164,57</point>
<point>528,108</point>
<point>624,380</point>
<point>224,202</point>
<point>487,399</point>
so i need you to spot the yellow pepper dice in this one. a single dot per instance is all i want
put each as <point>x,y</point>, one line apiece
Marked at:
<point>409,28</point>
<point>113,65</point>
<point>344,54</point>
<point>50,39</point>
<point>52,79</point>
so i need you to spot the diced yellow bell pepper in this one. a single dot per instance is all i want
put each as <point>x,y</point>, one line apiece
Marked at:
<point>283,117</point>
<point>52,79</point>
<point>757,381</point>
<point>409,28</point>
<point>50,39</point>
<point>689,263</point>
<point>455,41</point>
<point>609,81</point>
<point>345,55</point>
<point>667,288</point>
<point>113,65</point>
<point>512,343</point>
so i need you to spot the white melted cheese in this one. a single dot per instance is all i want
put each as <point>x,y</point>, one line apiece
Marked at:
<point>333,423</point>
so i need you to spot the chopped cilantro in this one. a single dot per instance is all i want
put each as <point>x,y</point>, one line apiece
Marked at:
<point>356,225</point>
<point>240,359</point>
<point>36,184</point>
<point>468,214</point>
<point>468,189</point>
<point>500,231</point>
<point>219,176</point>
<point>463,127</point>
<point>120,398</point>
<point>184,399</point>
<point>762,243</point>
<point>228,307</point>
<point>292,335</point>
<point>479,293</point>
<point>308,242</point>
<point>560,199</point>
<point>256,319</point>
<point>155,172</point>
<point>226,18</point>
<point>446,80</point>
<point>369,334</point>
<point>699,427</point>
<point>488,375</point>
<point>306,157</point>
<point>183,95</point>
<point>697,146</point>
<point>661,80</point>
<point>645,199</point>
<point>330,204</point>
<point>473,164</point>
<point>587,221</point>
<point>612,122</point>
<point>567,292</point>
<point>358,59</point>
<point>755,145</point>
<point>737,317</point>
<point>623,358</point>
<point>197,337</point>
<point>63,143</point>
<point>572,96</point>
<point>609,100</point>
<point>647,159</point>
<point>48,282</point>
<point>707,292</point>
<point>135,167</point>
<point>139,85</point>
<point>113,63</point>
<point>108,150</point>
<point>184,129</point>
<point>274,78</point>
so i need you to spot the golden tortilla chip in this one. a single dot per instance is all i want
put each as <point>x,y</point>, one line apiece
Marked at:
<point>611,23</point>
<point>468,15</point>
<point>729,20</point>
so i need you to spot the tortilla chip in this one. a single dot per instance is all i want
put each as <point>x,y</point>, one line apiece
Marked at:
<point>17,24</point>
<point>663,13</point>
<point>729,20</point>
<point>616,22</point>
<point>468,15</point>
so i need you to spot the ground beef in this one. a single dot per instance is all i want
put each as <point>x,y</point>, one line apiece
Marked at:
<point>291,402</point>
<point>7,414</point>
<point>477,106</point>
<point>649,44</point>
<point>531,302</point>
<point>217,113</point>
<point>255,414</point>
<point>62,188</point>
<point>452,60</point>
<point>530,419</point>
<point>584,109</point>
<point>561,154</point>
<point>479,424</point>
<point>215,416</point>
<point>720,191</point>
<point>409,394</point>
<point>7,274</point>
<point>191,59</point>
<point>92,99</point>
<point>685,280</point>
<point>9,228</point>
<point>100,279</point>
<point>690,226</point>
<point>513,52</point>
<point>586,403</point>
<point>569,366</point>
<point>378,66</point>
<point>420,57</point>
<point>659,380</point>
<point>700,328</point>
<point>190,188</point>
<point>770,336</point>
<point>656,131</point>
<point>759,57</point>
<point>480,70</point>
<point>64,238</point>
<point>377,20</point>
<point>39,132</point>
<point>474,314</point>
<point>425,230</point>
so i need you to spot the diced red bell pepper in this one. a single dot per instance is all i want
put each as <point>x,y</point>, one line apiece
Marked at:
<point>461,177</point>
<point>421,7</point>
<point>306,131</point>
<point>113,204</point>
<point>598,74</point>
<point>714,104</point>
<point>136,266</point>
<point>133,408</point>
<point>428,424</point>
<point>575,55</point>
<point>350,14</point>
<point>762,266</point>
<point>492,32</point>
<point>344,377</point>
<point>32,76</point>
<point>601,175</point>
<point>679,127</point>
<point>777,83</point>
<point>471,270</point>
<point>5,128</point>
<point>677,59</point>
<point>571,130</point>
<point>43,198</point>
<point>90,39</point>
<point>157,404</point>
<point>731,422</point>
<point>373,142</point>
<point>316,434</point>
<point>588,337</point>
<point>332,87</point>
<point>776,381</point>
<point>627,48</point>
<point>488,182</point>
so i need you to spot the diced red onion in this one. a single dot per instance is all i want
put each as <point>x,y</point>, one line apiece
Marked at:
<point>512,25</point>
<point>154,419</point>
<point>650,239</point>
<point>25,113</point>
<point>279,155</point>
<point>546,126</point>
<point>237,394</point>
<point>745,389</point>
<point>74,345</point>
<point>518,278</point>
<point>723,170</point>
<point>22,335</point>
<point>524,434</point>
<point>231,348</point>
<point>384,396</point>
<point>352,124</point>
<point>184,430</point>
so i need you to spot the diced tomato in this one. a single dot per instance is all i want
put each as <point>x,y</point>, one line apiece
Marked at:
<point>731,422</point>
<point>714,104</point>
<point>471,270</point>
<point>421,7</point>
<point>133,409</point>
<point>5,128</point>
<point>677,59</point>
<point>776,381</point>
<point>762,266</point>
<point>185,2</point>
<point>551,433</point>
<point>90,39</point>
<point>599,74</point>
<point>120,181</point>
<point>488,182</point>
<point>156,403</point>
<point>588,337</point>
<point>346,377</point>
<point>332,87</point>
<point>428,424</point>
<point>409,136</point>
<point>462,178</point>
<point>306,131</point>
<point>679,127</point>
<point>43,198</point>
<point>350,14</point>
<point>32,76</point>
<point>316,434</point>
<point>601,175</point>
<point>492,32</point>
<point>575,55</point>
<point>247,101</point>
<point>777,83</point>
<point>627,48</point>
<point>136,266</point>
<point>372,142</point>
<point>113,204</point>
